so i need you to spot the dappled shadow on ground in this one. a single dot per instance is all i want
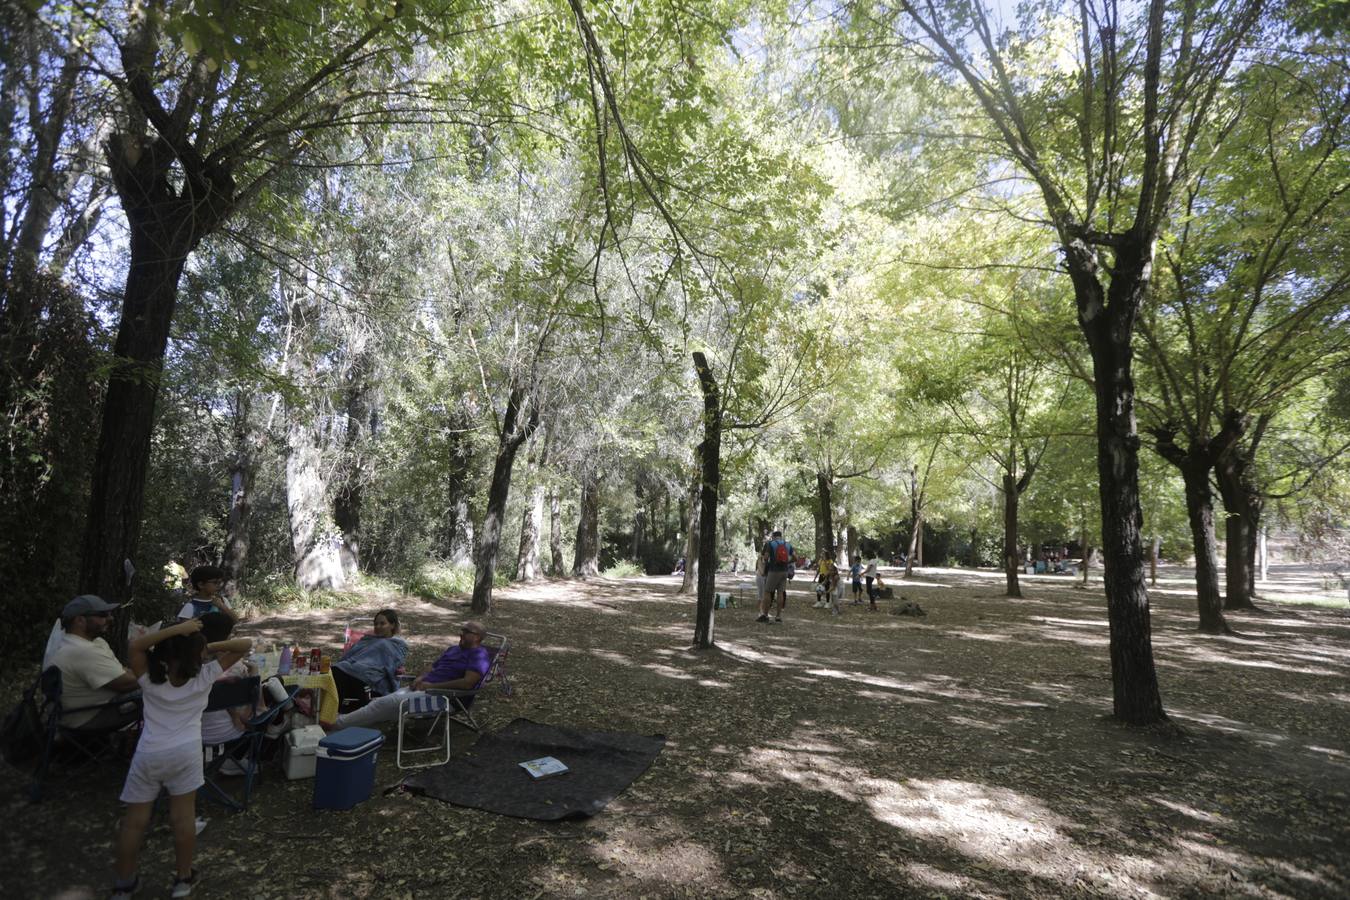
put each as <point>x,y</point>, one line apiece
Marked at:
<point>967,753</point>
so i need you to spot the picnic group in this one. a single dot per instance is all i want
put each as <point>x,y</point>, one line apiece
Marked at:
<point>158,703</point>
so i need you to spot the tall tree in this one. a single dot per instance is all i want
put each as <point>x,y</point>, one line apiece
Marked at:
<point>1140,93</point>
<point>206,120</point>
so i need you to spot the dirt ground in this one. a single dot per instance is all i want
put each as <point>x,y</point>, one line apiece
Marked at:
<point>965,754</point>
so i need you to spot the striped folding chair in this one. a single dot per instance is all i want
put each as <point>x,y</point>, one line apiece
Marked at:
<point>444,707</point>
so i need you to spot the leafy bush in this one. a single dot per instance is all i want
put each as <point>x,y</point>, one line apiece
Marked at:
<point>623,568</point>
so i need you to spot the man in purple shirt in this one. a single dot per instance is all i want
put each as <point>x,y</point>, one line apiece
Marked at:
<point>459,668</point>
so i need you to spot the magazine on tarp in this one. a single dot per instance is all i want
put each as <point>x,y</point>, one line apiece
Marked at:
<point>543,767</point>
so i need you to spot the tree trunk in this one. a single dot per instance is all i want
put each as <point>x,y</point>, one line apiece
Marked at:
<point>710,460</point>
<point>1243,505</point>
<point>247,443</point>
<point>117,488</point>
<point>459,535</point>
<point>825,497</point>
<point>531,520</point>
<point>1264,554</point>
<point>1195,463</point>
<point>1200,514</point>
<point>316,562</point>
<point>691,520</point>
<point>1012,560</point>
<point>915,521</point>
<point>514,433</point>
<point>586,558</point>
<point>852,543</point>
<point>1107,322</point>
<point>555,567</point>
<point>357,427</point>
<point>163,228</point>
<point>1154,547</point>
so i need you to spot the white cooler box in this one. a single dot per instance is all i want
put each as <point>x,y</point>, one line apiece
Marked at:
<point>301,745</point>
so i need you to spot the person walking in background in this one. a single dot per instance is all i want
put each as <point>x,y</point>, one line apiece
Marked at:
<point>856,571</point>
<point>778,559</point>
<point>870,575</point>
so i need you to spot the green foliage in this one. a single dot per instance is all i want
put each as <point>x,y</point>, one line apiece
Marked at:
<point>623,568</point>
<point>48,398</point>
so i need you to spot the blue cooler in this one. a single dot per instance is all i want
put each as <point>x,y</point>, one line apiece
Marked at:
<point>344,768</point>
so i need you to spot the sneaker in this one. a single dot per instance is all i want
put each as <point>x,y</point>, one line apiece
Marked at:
<point>182,887</point>
<point>125,892</point>
<point>202,823</point>
<point>778,619</point>
<point>231,767</point>
<point>762,618</point>
<point>817,605</point>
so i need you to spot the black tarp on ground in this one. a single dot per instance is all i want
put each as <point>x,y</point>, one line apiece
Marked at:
<point>488,775</point>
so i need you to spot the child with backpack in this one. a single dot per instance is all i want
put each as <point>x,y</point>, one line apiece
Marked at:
<point>175,677</point>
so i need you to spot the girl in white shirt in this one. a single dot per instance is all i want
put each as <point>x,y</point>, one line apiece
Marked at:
<point>175,681</point>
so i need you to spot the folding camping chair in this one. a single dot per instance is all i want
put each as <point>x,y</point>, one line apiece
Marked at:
<point>353,632</point>
<point>227,695</point>
<point>443,707</point>
<point>90,744</point>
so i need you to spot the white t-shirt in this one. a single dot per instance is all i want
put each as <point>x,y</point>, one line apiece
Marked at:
<point>173,715</point>
<point>218,726</point>
<point>871,570</point>
<point>86,666</point>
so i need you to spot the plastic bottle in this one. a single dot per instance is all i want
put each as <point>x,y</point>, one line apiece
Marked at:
<point>284,664</point>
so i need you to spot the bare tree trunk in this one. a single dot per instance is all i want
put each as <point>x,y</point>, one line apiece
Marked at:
<point>825,522</point>
<point>1243,504</point>
<point>163,228</point>
<point>313,533</point>
<point>916,521</point>
<point>347,503</point>
<point>247,444</point>
<point>1265,553</point>
<point>1012,560</point>
<point>586,558</point>
<point>555,545</point>
<point>531,519</point>
<point>459,535</point>
<point>1154,547</point>
<point>1195,463</point>
<point>710,456</point>
<point>852,543</point>
<point>117,489</point>
<point>1106,319</point>
<point>691,543</point>
<point>514,433</point>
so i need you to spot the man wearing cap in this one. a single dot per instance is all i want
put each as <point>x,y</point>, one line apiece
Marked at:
<point>459,668</point>
<point>90,674</point>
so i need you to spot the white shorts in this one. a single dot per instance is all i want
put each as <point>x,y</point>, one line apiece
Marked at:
<point>179,769</point>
